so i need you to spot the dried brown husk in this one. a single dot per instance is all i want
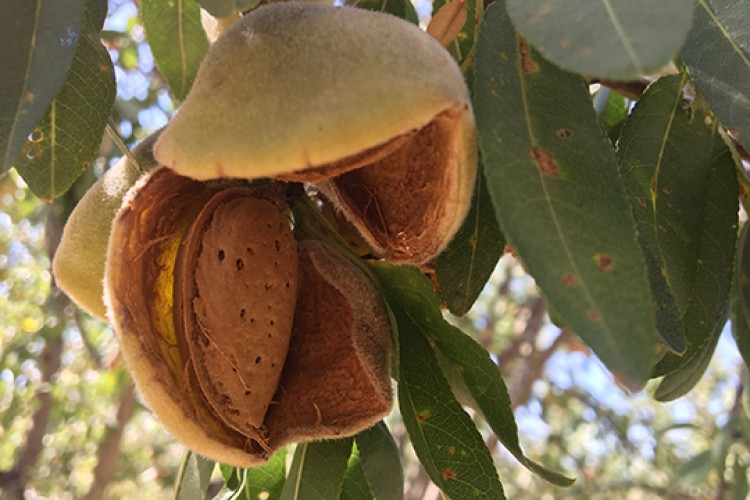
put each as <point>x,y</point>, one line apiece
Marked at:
<point>406,205</point>
<point>146,294</point>
<point>336,380</point>
<point>238,342</point>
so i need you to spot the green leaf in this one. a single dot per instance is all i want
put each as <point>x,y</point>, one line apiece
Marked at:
<point>233,476</point>
<point>381,463</point>
<point>741,297</point>
<point>37,40</point>
<point>480,375</point>
<point>399,8</point>
<point>739,489</point>
<point>443,435</point>
<point>683,189</point>
<point>317,471</point>
<point>177,40</point>
<point>679,382</point>
<point>611,108</point>
<point>554,181</point>
<point>193,477</point>
<point>224,8</point>
<point>355,484</point>
<point>616,39</point>
<point>694,471</point>
<point>267,480</point>
<point>466,265</point>
<point>717,55</point>
<point>67,137</point>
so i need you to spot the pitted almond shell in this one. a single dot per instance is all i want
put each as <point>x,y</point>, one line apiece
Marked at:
<point>315,90</point>
<point>236,288</point>
<point>336,380</point>
<point>79,262</point>
<point>181,353</point>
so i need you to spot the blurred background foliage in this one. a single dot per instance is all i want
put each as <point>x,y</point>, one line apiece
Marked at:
<point>72,427</point>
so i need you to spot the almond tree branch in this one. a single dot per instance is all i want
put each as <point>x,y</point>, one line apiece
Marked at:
<point>109,449</point>
<point>523,380</point>
<point>14,481</point>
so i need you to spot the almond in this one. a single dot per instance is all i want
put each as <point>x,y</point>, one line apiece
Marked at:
<point>176,308</point>
<point>279,95</point>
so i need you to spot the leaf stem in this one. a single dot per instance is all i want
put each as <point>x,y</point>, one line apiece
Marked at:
<point>120,142</point>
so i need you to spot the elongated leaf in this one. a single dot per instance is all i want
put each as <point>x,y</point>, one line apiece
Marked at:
<point>683,189</point>
<point>717,54</point>
<point>37,41</point>
<point>194,477</point>
<point>466,265</point>
<point>177,40</point>
<point>317,470</point>
<point>267,481</point>
<point>617,39</point>
<point>355,484</point>
<point>741,297</point>
<point>479,373</point>
<point>444,437</point>
<point>67,137</point>
<point>682,181</point>
<point>679,382</point>
<point>694,471</point>
<point>399,8</point>
<point>381,463</point>
<point>740,487</point>
<point>553,177</point>
<point>224,8</point>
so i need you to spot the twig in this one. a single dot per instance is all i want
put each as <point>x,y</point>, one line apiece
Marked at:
<point>632,89</point>
<point>605,415</point>
<point>120,142</point>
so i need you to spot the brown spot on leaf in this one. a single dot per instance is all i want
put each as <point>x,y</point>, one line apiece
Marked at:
<point>666,190</point>
<point>528,65</point>
<point>593,316</point>
<point>545,161</point>
<point>29,97</point>
<point>604,262</point>
<point>448,474</point>
<point>641,202</point>
<point>423,415</point>
<point>564,133</point>
<point>452,450</point>
<point>569,280</point>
